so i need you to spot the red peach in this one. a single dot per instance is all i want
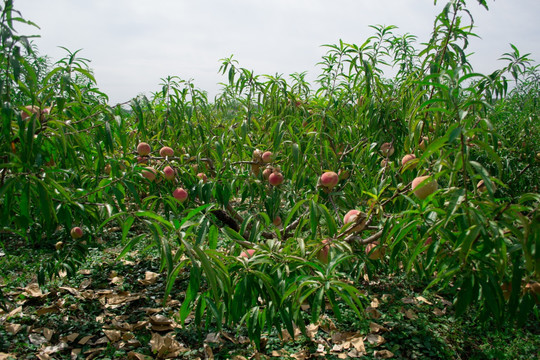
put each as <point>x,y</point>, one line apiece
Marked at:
<point>387,149</point>
<point>76,232</point>
<point>429,187</point>
<point>169,173</point>
<point>180,194</point>
<point>143,149</point>
<point>149,173</point>
<point>203,177</point>
<point>166,151</point>
<point>406,159</point>
<point>248,253</point>
<point>267,157</point>
<point>275,178</point>
<point>329,179</point>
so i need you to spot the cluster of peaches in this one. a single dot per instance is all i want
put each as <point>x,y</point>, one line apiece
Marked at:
<point>169,173</point>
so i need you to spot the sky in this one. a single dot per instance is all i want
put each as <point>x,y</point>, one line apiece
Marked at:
<point>133,44</point>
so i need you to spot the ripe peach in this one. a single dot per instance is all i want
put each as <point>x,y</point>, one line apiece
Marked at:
<point>248,253</point>
<point>277,221</point>
<point>169,173</point>
<point>373,251</point>
<point>423,144</point>
<point>180,194</point>
<point>385,163</point>
<point>30,110</point>
<point>266,172</point>
<point>266,157</point>
<point>322,254</point>
<point>406,159</point>
<point>387,149</point>
<point>76,232</point>
<point>429,187</point>
<point>59,245</point>
<point>166,151</point>
<point>275,178</point>
<point>257,156</point>
<point>143,149</point>
<point>203,177</point>
<point>329,179</point>
<point>351,216</point>
<point>149,173</point>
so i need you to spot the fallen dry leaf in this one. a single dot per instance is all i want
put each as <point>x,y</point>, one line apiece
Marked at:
<point>439,312</point>
<point>48,333</point>
<point>408,300</point>
<point>70,338</point>
<point>373,313</point>
<point>410,314</point>
<point>375,328</point>
<point>13,328</point>
<point>85,339</point>
<point>132,355</point>
<point>212,338</point>
<point>113,335</point>
<point>375,339</point>
<point>149,278</point>
<point>424,300</point>
<point>383,354</point>
<point>6,356</point>
<point>49,350</point>
<point>33,290</point>
<point>37,339</point>
<point>312,330</point>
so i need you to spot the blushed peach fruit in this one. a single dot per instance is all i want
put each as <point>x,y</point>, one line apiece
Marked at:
<point>143,149</point>
<point>322,254</point>
<point>277,221</point>
<point>275,178</point>
<point>166,151</point>
<point>423,143</point>
<point>180,194</point>
<point>266,157</point>
<point>406,159</point>
<point>329,179</point>
<point>30,110</point>
<point>257,155</point>
<point>203,177</point>
<point>76,232</point>
<point>266,172</point>
<point>385,163</point>
<point>387,149</point>
<point>351,216</point>
<point>149,173</point>
<point>248,253</point>
<point>169,173</point>
<point>428,188</point>
<point>373,251</point>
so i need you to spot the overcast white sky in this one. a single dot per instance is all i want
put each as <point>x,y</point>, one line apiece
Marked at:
<point>132,44</point>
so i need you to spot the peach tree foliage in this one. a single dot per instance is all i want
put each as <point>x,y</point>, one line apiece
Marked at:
<point>79,166</point>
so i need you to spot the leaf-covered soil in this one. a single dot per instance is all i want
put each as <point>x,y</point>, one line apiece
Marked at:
<point>113,309</point>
